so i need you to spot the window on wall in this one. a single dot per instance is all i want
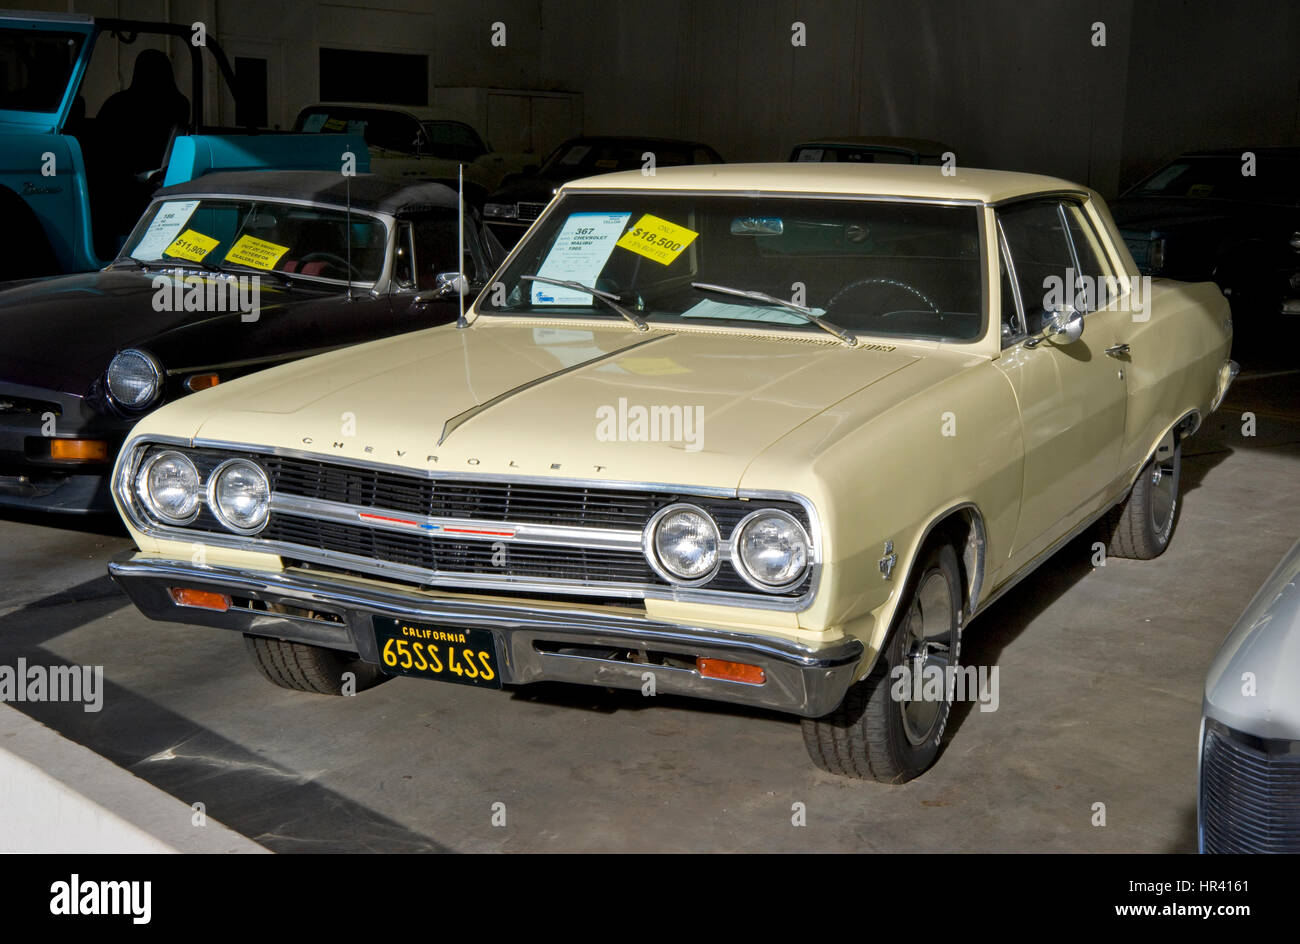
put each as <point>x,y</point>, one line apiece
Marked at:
<point>390,78</point>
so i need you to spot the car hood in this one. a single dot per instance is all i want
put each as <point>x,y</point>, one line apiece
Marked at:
<point>60,333</point>
<point>511,398</point>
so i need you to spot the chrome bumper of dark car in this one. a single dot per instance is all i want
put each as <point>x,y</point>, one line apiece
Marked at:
<point>536,643</point>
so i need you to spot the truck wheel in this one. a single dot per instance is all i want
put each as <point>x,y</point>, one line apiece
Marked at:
<point>25,252</point>
<point>304,668</point>
<point>880,731</point>
<point>1140,527</point>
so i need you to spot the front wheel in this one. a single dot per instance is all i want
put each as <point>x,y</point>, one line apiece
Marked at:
<point>889,726</point>
<point>303,668</point>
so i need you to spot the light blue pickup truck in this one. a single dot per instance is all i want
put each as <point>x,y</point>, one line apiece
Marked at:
<point>73,186</point>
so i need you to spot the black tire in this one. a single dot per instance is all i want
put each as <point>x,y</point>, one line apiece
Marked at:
<point>873,735</point>
<point>1141,526</point>
<point>314,669</point>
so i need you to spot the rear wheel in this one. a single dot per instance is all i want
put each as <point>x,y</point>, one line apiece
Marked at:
<point>1142,525</point>
<point>314,669</point>
<point>890,725</point>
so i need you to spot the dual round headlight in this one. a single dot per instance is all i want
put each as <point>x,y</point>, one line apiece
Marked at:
<point>769,549</point>
<point>238,491</point>
<point>134,379</point>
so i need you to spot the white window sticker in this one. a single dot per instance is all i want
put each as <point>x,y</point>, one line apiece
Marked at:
<point>711,309</point>
<point>811,155</point>
<point>580,252</point>
<point>165,227</point>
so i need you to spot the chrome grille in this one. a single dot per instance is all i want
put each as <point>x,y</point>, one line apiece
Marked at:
<point>1250,793</point>
<point>350,517</point>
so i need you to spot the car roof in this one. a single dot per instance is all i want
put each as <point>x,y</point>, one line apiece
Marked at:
<point>885,180</point>
<point>365,191</point>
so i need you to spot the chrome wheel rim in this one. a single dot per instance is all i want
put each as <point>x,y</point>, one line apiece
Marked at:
<point>1164,494</point>
<point>928,646</point>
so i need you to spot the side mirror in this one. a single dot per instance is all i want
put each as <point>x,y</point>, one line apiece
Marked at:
<point>447,283</point>
<point>1060,325</point>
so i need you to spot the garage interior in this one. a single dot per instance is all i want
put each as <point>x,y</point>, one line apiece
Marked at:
<point>1102,667</point>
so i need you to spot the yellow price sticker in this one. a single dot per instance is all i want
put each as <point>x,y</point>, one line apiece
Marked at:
<point>258,253</point>
<point>657,239</point>
<point>191,245</point>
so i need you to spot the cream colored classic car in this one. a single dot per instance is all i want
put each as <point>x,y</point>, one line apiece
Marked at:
<point>768,434</point>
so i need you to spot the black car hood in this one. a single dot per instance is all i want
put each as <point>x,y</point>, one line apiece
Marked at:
<point>60,333</point>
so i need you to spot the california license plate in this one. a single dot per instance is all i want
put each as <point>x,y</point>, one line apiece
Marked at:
<point>463,656</point>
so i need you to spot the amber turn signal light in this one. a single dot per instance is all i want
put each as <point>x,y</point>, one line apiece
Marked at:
<point>79,450</point>
<point>203,599</point>
<point>201,382</point>
<point>731,671</point>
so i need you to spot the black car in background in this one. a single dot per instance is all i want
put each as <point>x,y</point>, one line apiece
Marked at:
<point>222,276</point>
<point>521,198</point>
<point>1231,216</point>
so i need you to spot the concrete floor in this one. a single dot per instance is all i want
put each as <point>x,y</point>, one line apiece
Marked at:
<point>1101,679</point>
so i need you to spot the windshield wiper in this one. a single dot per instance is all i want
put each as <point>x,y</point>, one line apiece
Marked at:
<point>842,333</point>
<point>608,298</point>
<point>285,279</point>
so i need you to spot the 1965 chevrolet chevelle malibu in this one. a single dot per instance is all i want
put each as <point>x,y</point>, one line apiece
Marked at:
<point>769,434</point>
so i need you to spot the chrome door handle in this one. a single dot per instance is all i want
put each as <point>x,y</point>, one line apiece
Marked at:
<point>1118,350</point>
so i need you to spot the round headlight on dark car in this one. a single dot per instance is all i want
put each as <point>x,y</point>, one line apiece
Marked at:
<point>239,494</point>
<point>771,550</point>
<point>168,484</point>
<point>682,544</point>
<point>134,379</point>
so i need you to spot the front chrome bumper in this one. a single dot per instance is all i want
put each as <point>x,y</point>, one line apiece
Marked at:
<point>536,642</point>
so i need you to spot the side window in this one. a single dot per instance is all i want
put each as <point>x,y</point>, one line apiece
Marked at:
<point>1095,278</point>
<point>1041,255</point>
<point>435,250</point>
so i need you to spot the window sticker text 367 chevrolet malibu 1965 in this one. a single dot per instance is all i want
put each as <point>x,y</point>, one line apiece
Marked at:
<point>769,434</point>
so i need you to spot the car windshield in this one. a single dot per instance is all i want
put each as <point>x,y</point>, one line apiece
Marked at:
<point>898,269</point>
<point>35,68</point>
<point>230,232</point>
<point>1224,177</point>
